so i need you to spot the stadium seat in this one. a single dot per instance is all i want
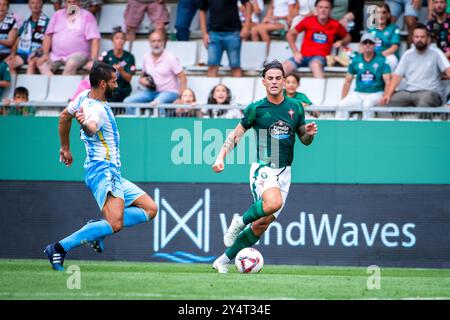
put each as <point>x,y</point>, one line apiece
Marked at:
<point>333,91</point>
<point>201,87</point>
<point>185,51</point>
<point>61,88</point>
<point>106,45</point>
<point>23,11</point>
<point>241,89</point>
<point>314,89</point>
<point>8,92</point>
<point>253,55</point>
<point>37,86</point>
<point>279,50</point>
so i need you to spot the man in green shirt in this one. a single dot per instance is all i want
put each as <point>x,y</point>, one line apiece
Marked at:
<point>276,120</point>
<point>372,73</point>
<point>5,77</point>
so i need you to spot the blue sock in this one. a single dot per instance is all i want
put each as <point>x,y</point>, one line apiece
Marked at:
<point>134,215</point>
<point>89,232</point>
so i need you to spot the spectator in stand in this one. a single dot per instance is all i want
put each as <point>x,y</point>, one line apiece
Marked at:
<point>5,77</point>
<point>278,18</point>
<point>292,83</point>
<point>223,33</point>
<point>20,96</point>
<point>9,26</point>
<point>387,36</point>
<point>303,9</point>
<point>422,67</point>
<point>156,10</point>
<point>221,94</point>
<point>343,13</point>
<point>439,27</point>
<point>94,6</point>
<point>186,10</point>
<point>162,76</point>
<point>410,9</point>
<point>257,10</point>
<point>373,75</point>
<point>123,62</point>
<point>320,36</point>
<point>72,40</point>
<point>187,98</point>
<point>28,47</point>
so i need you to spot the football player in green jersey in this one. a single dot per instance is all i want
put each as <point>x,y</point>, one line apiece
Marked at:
<point>277,120</point>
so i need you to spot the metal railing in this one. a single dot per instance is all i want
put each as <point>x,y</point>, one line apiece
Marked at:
<point>235,111</point>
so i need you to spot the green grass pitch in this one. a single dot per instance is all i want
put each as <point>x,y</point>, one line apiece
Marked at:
<point>33,279</point>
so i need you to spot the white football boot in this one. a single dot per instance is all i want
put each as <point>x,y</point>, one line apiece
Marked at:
<point>236,226</point>
<point>220,265</point>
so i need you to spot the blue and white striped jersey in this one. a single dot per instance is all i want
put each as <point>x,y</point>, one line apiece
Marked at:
<point>104,144</point>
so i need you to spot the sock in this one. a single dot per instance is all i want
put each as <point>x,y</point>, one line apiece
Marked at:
<point>134,215</point>
<point>245,239</point>
<point>254,212</point>
<point>224,258</point>
<point>89,232</point>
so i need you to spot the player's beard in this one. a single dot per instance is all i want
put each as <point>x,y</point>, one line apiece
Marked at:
<point>109,93</point>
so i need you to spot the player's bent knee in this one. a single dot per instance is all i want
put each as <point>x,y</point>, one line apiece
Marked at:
<point>151,210</point>
<point>116,225</point>
<point>273,205</point>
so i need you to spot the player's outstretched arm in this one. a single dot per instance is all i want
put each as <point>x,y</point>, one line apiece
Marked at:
<point>307,132</point>
<point>230,143</point>
<point>65,122</point>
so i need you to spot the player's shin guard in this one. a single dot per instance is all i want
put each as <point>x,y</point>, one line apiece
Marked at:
<point>254,212</point>
<point>134,215</point>
<point>245,239</point>
<point>89,232</point>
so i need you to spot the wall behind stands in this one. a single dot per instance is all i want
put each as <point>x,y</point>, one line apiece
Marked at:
<point>156,150</point>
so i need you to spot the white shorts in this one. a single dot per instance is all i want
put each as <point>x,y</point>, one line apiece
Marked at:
<point>263,177</point>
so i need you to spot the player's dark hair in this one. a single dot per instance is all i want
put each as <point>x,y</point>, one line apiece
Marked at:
<point>330,1</point>
<point>421,26</point>
<point>274,64</point>
<point>296,77</point>
<point>100,71</point>
<point>21,90</point>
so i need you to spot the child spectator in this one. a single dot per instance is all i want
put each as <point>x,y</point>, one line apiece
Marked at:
<point>221,94</point>
<point>387,36</point>
<point>291,86</point>
<point>187,98</point>
<point>28,47</point>
<point>123,62</point>
<point>20,96</point>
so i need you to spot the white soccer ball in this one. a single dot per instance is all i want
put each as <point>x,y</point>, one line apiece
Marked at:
<point>249,260</point>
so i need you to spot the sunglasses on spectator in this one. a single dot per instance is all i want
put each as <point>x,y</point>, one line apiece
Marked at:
<point>368,42</point>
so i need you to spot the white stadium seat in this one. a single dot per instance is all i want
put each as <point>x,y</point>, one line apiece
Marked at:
<point>185,51</point>
<point>314,89</point>
<point>253,55</point>
<point>201,87</point>
<point>61,88</point>
<point>241,89</point>
<point>139,49</point>
<point>37,86</point>
<point>260,90</point>
<point>333,91</point>
<point>279,50</point>
<point>8,92</point>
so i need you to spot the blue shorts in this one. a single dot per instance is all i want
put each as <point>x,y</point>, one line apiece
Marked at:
<point>307,60</point>
<point>398,6</point>
<point>224,41</point>
<point>103,177</point>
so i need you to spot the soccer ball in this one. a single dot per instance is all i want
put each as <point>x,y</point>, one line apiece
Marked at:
<point>249,260</point>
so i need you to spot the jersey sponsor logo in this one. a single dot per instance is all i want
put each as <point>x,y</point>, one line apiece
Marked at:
<point>321,38</point>
<point>367,78</point>
<point>280,130</point>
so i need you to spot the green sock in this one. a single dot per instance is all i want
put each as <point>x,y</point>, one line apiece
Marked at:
<point>254,212</point>
<point>245,239</point>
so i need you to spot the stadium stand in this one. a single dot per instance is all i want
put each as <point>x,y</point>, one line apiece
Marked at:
<point>61,87</point>
<point>37,86</point>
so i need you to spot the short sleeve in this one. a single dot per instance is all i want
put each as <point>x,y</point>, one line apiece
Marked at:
<point>341,32</point>
<point>91,30</point>
<point>249,117</point>
<point>52,23</point>
<point>351,68</point>
<point>176,65</point>
<point>5,74</point>
<point>386,67</point>
<point>300,27</point>
<point>95,113</point>
<point>74,105</point>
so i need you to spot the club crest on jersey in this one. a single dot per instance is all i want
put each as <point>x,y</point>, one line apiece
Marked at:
<point>280,130</point>
<point>291,113</point>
